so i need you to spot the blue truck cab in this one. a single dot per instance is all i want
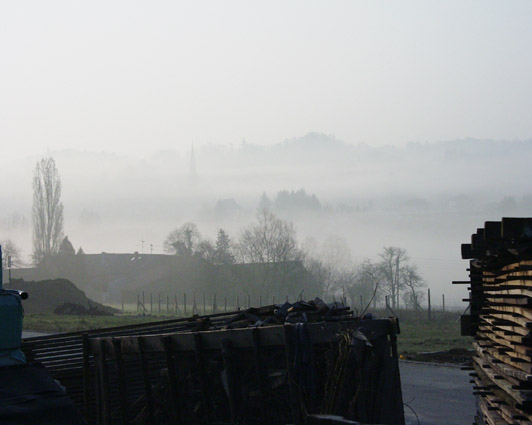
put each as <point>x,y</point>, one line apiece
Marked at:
<point>11,316</point>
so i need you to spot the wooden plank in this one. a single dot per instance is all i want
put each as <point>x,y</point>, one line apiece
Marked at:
<point>490,416</point>
<point>232,380</point>
<point>509,300</point>
<point>259,370</point>
<point>519,396</point>
<point>200,364</point>
<point>150,402</point>
<point>175,410</point>
<point>514,319</point>
<point>104,386</point>
<point>271,336</point>
<point>508,337</point>
<point>504,325</point>
<point>292,385</point>
<point>505,404</point>
<point>122,385</point>
<point>512,374</point>
<point>86,375</point>
<point>509,290</point>
<point>520,351</point>
<point>525,313</point>
<point>501,356</point>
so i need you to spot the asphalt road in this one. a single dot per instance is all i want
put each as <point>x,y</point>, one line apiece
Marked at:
<point>438,394</point>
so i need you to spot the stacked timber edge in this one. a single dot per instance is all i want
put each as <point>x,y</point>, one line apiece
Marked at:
<point>500,320</point>
<point>338,369</point>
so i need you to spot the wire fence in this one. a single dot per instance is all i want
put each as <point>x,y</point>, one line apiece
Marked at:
<point>202,303</point>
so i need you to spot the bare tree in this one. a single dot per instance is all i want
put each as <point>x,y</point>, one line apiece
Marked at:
<point>271,240</point>
<point>272,246</point>
<point>331,264</point>
<point>206,250</point>
<point>412,282</point>
<point>337,260</point>
<point>183,240</point>
<point>47,210</point>
<point>392,261</point>
<point>360,283</point>
<point>10,249</point>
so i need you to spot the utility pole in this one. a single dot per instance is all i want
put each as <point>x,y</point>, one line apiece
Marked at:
<point>9,268</point>
<point>142,246</point>
<point>428,292</point>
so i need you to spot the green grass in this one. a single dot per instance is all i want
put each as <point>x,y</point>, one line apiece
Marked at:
<point>416,335</point>
<point>422,336</point>
<point>54,323</point>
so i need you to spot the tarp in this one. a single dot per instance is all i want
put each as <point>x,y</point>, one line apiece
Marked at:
<point>29,396</point>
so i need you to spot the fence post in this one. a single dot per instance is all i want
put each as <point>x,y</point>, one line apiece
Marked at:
<point>443,302</point>
<point>428,292</point>
<point>138,303</point>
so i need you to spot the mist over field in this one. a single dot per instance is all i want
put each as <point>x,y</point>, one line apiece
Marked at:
<point>364,124</point>
<point>426,198</point>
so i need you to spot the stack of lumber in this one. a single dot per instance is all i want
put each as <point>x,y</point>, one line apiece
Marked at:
<point>341,372</point>
<point>65,355</point>
<point>500,320</point>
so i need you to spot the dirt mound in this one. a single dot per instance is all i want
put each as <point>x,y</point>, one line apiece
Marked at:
<point>46,295</point>
<point>454,355</point>
<point>78,310</point>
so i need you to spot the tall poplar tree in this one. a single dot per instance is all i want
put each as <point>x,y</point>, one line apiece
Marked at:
<point>47,210</point>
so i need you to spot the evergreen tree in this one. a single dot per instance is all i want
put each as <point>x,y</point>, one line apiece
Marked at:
<point>264,203</point>
<point>223,254</point>
<point>66,247</point>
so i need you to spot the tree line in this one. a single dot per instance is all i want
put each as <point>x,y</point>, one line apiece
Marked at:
<point>266,259</point>
<point>271,245</point>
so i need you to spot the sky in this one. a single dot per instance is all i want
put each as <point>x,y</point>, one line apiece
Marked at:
<point>138,76</point>
<point>133,78</point>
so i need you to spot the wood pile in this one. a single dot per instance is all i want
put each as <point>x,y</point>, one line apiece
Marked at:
<point>272,364</point>
<point>500,320</point>
<point>339,372</point>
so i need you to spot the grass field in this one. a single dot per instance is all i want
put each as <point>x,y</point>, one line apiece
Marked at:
<point>53,323</point>
<point>417,334</point>
<point>422,336</point>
